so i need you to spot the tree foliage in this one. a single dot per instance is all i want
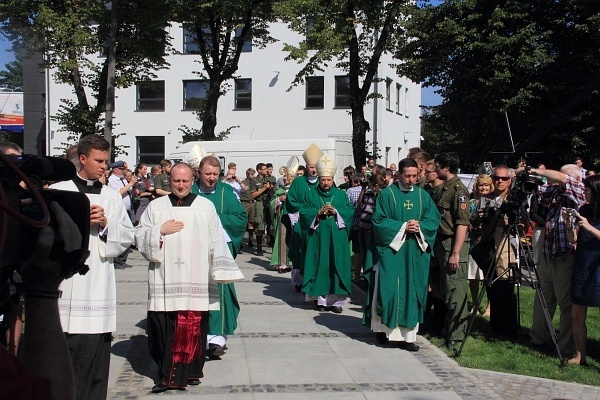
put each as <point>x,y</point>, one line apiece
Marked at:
<point>220,29</point>
<point>492,59</point>
<point>350,34</point>
<point>71,32</point>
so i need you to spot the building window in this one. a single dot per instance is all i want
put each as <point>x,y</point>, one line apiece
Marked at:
<point>315,91</point>
<point>243,94</point>
<point>406,102</point>
<point>190,44</point>
<point>193,94</point>
<point>342,91</point>
<point>247,47</point>
<point>398,91</point>
<point>150,149</point>
<point>151,95</point>
<point>388,94</point>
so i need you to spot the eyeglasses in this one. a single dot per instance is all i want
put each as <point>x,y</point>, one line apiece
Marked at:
<point>501,178</point>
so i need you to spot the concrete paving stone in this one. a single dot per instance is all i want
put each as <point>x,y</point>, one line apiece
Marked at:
<point>321,369</point>
<point>398,368</point>
<point>313,396</point>
<point>277,319</point>
<point>412,395</point>
<point>301,350</point>
<point>227,371</point>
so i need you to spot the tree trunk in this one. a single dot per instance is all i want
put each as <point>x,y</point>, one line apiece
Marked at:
<point>359,132</point>
<point>110,79</point>
<point>209,113</point>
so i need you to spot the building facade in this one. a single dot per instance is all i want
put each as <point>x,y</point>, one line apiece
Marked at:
<point>149,115</point>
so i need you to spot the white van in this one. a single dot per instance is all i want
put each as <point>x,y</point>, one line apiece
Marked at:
<point>246,154</point>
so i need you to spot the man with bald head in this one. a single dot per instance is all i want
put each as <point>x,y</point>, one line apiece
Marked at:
<point>565,189</point>
<point>182,237</point>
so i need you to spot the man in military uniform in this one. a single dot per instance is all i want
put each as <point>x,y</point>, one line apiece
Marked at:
<point>162,186</point>
<point>248,203</point>
<point>259,190</point>
<point>452,247</point>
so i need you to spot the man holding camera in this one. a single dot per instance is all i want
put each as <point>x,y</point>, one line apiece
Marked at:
<point>565,189</point>
<point>89,302</point>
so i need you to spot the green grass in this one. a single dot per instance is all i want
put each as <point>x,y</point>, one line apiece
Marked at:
<point>484,351</point>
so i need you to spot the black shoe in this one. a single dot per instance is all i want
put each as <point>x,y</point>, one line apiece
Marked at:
<point>120,266</point>
<point>381,338</point>
<point>159,388</point>
<point>194,382</point>
<point>250,244</point>
<point>260,253</point>
<point>215,350</point>
<point>336,309</point>
<point>298,288</point>
<point>411,346</point>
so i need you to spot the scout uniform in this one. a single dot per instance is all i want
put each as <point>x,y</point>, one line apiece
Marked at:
<point>453,206</point>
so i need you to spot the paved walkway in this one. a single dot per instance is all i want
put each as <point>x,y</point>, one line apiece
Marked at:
<point>286,350</point>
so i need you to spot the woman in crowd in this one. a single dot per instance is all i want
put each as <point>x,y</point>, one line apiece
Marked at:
<point>583,228</point>
<point>144,191</point>
<point>366,206</point>
<point>482,190</point>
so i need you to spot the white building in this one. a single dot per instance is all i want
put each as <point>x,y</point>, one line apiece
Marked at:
<point>150,114</point>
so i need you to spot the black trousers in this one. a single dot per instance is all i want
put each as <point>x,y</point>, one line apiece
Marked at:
<point>90,357</point>
<point>161,332</point>
<point>503,308</point>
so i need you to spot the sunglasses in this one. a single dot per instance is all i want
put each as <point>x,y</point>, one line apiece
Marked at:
<point>501,178</point>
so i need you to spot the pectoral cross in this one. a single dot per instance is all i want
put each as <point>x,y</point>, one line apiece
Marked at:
<point>179,262</point>
<point>408,205</point>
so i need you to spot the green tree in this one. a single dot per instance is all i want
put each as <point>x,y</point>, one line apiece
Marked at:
<point>220,30</point>
<point>352,35</point>
<point>12,77</point>
<point>535,62</point>
<point>70,32</point>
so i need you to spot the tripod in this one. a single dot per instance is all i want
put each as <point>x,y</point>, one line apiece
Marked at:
<point>512,231</point>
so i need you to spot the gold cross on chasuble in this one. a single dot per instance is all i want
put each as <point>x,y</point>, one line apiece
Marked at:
<point>408,205</point>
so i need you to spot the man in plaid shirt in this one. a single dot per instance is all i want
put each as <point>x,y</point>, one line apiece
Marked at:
<point>564,189</point>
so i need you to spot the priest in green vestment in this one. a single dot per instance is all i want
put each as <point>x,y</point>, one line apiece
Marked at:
<point>328,218</point>
<point>298,196</point>
<point>281,222</point>
<point>234,220</point>
<point>404,226</point>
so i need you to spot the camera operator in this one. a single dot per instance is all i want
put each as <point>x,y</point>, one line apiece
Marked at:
<point>43,370</point>
<point>503,306</point>
<point>564,189</point>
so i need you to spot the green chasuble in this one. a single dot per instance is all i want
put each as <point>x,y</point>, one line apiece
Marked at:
<point>403,274</point>
<point>276,217</point>
<point>234,220</point>
<point>327,266</point>
<point>297,196</point>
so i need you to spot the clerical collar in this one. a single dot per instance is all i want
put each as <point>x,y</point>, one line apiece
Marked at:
<point>405,189</point>
<point>183,202</point>
<point>204,190</point>
<point>87,185</point>
<point>312,179</point>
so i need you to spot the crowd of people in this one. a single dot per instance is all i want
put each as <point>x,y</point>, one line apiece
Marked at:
<point>411,234</point>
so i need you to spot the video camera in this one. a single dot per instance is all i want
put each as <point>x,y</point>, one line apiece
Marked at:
<point>525,185</point>
<point>25,210</point>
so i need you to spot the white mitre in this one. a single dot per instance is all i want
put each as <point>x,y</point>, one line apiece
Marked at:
<point>312,154</point>
<point>195,155</point>
<point>326,166</point>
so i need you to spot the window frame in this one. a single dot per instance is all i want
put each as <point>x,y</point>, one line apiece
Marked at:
<point>196,107</point>
<point>342,100</point>
<point>238,98</point>
<point>314,97</point>
<point>139,100</point>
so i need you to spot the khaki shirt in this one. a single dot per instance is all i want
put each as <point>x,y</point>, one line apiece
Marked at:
<point>162,182</point>
<point>256,185</point>
<point>246,195</point>
<point>453,205</point>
